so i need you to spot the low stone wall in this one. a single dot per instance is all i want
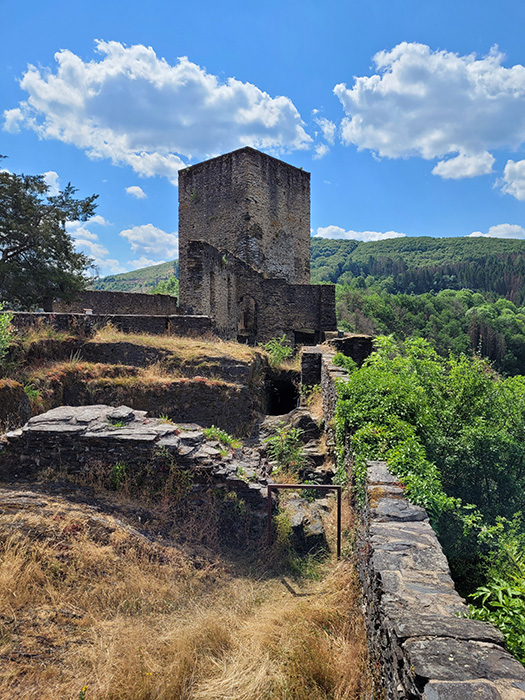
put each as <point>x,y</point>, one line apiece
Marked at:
<point>77,439</point>
<point>102,302</point>
<point>419,644</point>
<point>86,323</point>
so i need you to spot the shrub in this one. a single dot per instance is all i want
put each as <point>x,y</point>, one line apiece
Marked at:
<point>278,349</point>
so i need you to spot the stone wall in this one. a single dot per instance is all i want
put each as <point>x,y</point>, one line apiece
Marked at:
<point>102,302</point>
<point>80,440</point>
<point>87,323</point>
<point>252,205</point>
<point>244,303</point>
<point>421,644</point>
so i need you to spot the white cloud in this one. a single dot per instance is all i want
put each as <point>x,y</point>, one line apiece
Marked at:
<point>501,231</point>
<point>338,232</point>
<point>134,108</point>
<point>143,262</point>
<point>328,129</point>
<point>465,166</point>
<point>97,219</point>
<point>436,103</point>
<point>136,191</point>
<point>51,180</point>
<point>514,179</point>
<point>321,150</point>
<point>150,240</point>
<point>87,242</point>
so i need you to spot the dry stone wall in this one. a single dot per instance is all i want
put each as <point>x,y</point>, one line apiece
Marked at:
<point>75,440</point>
<point>420,641</point>
<point>102,302</point>
<point>87,323</point>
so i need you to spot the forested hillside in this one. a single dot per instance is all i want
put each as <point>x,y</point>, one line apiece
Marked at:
<point>144,280</point>
<point>419,265</point>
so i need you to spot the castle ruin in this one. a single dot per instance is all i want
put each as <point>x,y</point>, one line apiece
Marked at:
<point>244,257</point>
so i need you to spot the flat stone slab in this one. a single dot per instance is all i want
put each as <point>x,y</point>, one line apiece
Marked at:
<point>466,690</point>
<point>379,474</point>
<point>397,509</point>
<point>440,626</point>
<point>457,660</point>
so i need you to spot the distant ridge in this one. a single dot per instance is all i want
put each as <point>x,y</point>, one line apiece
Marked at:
<point>406,265</point>
<point>143,280</point>
<point>424,264</point>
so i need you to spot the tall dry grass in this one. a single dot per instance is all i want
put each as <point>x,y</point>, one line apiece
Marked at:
<point>85,601</point>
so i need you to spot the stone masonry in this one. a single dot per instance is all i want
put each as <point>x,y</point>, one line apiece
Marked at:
<point>244,260</point>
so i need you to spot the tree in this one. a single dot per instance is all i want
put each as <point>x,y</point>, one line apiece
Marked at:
<point>38,261</point>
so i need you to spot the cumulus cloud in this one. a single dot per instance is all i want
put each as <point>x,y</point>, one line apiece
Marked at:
<point>143,262</point>
<point>338,232</point>
<point>136,191</point>
<point>150,240</point>
<point>431,104</point>
<point>514,179</point>
<point>135,108</point>
<point>501,231</point>
<point>88,243</point>
<point>465,166</point>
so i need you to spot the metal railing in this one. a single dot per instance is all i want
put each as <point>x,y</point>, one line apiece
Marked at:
<point>309,487</point>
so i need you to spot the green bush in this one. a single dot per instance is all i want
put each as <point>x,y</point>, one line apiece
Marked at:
<point>278,349</point>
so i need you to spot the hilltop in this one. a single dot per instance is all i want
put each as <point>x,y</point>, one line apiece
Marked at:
<point>405,265</point>
<point>424,264</point>
<point>142,280</point>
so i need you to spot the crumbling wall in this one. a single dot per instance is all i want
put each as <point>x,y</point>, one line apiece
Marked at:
<point>421,643</point>
<point>87,323</point>
<point>102,302</point>
<point>244,303</point>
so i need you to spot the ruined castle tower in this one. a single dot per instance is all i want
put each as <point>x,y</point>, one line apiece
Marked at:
<point>252,205</point>
<point>244,246</point>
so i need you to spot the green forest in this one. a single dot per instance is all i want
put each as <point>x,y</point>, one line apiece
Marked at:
<point>419,265</point>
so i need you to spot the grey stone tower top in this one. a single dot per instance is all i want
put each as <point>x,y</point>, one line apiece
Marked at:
<point>254,206</point>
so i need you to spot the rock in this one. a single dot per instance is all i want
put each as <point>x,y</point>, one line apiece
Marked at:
<point>307,525</point>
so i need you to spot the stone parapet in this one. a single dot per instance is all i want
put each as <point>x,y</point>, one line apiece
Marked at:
<point>417,623</point>
<point>127,323</point>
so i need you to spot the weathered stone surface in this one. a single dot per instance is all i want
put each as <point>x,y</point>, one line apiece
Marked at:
<point>76,439</point>
<point>417,625</point>
<point>307,525</point>
<point>399,510</point>
<point>453,659</point>
<point>475,690</point>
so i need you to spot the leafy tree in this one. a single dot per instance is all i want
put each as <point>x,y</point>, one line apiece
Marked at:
<point>169,286</point>
<point>38,260</point>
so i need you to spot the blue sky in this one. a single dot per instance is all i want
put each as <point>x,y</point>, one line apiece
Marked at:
<point>409,114</point>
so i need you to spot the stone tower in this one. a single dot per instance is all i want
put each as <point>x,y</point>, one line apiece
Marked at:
<point>252,205</point>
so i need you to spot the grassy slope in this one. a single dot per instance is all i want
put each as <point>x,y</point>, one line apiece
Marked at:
<point>86,600</point>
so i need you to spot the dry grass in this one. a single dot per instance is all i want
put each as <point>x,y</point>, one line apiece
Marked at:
<point>184,347</point>
<point>85,601</point>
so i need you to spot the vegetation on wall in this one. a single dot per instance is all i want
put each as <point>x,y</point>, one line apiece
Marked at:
<point>453,431</point>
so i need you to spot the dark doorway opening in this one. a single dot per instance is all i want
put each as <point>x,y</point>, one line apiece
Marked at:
<point>282,393</point>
